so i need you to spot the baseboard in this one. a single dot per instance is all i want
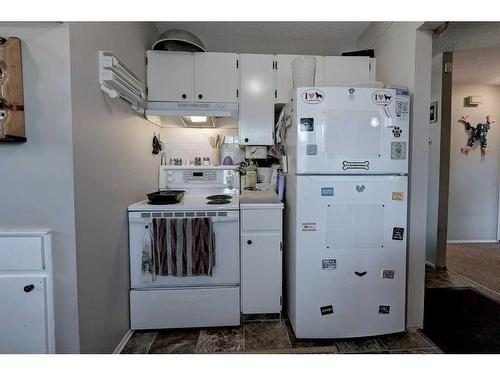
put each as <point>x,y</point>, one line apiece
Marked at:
<point>123,342</point>
<point>471,241</point>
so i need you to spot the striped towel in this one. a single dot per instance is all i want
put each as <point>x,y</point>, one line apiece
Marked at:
<point>183,247</point>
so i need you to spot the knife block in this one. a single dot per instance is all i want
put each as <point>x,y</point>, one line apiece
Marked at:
<point>11,92</point>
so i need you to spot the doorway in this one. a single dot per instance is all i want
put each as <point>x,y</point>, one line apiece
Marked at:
<point>464,171</point>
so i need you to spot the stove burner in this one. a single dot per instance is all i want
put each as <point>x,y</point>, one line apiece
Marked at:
<point>220,196</point>
<point>162,203</point>
<point>218,201</point>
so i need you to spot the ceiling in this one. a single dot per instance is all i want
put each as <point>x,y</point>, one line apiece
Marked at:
<point>275,30</point>
<point>478,66</point>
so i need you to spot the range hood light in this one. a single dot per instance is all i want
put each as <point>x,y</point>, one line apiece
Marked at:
<point>198,118</point>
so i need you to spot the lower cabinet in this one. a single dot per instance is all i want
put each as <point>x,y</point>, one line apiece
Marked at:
<point>261,263</point>
<point>23,315</point>
<point>26,293</point>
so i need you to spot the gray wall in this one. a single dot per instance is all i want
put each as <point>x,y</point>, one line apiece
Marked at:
<point>404,56</point>
<point>113,167</point>
<point>37,177</point>
<point>434,158</point>
<point>473,197</point>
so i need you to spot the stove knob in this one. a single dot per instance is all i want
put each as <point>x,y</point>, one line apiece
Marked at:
<point>249,242</point>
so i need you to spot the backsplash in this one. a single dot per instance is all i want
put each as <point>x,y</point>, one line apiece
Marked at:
<point>187,143</point>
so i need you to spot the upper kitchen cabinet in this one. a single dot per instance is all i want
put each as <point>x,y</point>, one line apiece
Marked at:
<point>256,120</point>
<point>284,80</point>
<point>170,76</point>
<point>192,77</point>
<point>216,77</point>
<point>344,70</point>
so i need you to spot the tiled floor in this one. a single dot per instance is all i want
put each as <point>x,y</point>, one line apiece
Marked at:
<point>276,336</point>
<point>270,336</point>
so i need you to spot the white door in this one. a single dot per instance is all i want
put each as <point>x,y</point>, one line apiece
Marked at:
<point>344,70</point>
<point>216,77</point>
<point>351,131</point>
<point>260,272</point>
<point>284,79</point>
<point>226,258</point>
<point>23,316</point>
<point>350,255</point>
<point>258,80</point>
<point>170,76</point>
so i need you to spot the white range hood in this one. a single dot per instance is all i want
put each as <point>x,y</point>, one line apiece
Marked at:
<point>174,114</point>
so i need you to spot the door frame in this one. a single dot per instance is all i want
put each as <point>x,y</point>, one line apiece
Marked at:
<point>444,159</point>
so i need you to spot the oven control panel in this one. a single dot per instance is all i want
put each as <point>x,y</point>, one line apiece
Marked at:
<point>203,177</point>
<point>199,176</point>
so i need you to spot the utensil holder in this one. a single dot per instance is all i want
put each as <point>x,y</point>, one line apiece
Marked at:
<point>216,156</point>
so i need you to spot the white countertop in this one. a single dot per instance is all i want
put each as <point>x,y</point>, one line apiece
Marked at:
<point>261,198</point>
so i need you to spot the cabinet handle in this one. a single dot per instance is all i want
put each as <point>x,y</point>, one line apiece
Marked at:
<point>184,96</point>
<point>246,139</point>
<point>29,288</point>
<point>200,96</point>
<point>360,273</point>
<point>249,242</point>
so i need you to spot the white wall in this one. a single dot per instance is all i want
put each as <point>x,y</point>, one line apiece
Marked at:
<point>277,45</point>
<point>36,178</point>
<point>186,143</point>
<point>404,58</point>
<point>434,160</point>
<point>473,196</point>
<point>113,167</point>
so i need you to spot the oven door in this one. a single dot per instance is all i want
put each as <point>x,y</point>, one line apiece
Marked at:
<point>227,243</point>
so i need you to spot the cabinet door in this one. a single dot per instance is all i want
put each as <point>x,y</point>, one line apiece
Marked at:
<point>260,272</point>
<point>344,70</point>
<point>170,76</point>
<point>216,77</point>
<point>284,77</point>
<point>23,319</point>
<point>257,99</point>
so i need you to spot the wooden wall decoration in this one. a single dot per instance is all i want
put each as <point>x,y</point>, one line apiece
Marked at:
<point>11,91</point>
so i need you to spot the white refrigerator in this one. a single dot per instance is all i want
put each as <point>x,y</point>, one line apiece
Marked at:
<point>346,211</point>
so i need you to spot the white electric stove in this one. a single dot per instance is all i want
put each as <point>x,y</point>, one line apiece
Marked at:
<point>189,301</point>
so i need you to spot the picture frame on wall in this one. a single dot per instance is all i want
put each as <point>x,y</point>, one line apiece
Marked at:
<point>433,113</point>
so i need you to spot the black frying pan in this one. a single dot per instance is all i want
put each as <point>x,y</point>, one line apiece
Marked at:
<point>166,196</point>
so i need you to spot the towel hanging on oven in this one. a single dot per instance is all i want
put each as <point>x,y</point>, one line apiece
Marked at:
<point>183,247</point>
<point>147,264</point>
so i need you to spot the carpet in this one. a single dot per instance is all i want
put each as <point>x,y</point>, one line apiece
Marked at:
<point>479,262</point>
<point>462,320</point>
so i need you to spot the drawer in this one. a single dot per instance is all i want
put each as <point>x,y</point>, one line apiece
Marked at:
<point>21,254</point>
<point>267,220</point>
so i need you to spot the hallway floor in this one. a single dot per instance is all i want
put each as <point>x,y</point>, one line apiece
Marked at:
<point>479,262</point>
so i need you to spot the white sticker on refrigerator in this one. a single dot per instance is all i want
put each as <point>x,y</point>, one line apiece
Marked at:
<point>308,227</point>
<point>329,264</point>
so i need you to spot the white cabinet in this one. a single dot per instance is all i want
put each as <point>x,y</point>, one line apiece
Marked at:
<point>23,315</point>
<point>216,77</point>
<point>258,79</point>
<point>284,79</point>
<point>26,293</point>
<point>344,70</point>
<point>192,77</point>
<point>261,258</point>
<point>170,76</point>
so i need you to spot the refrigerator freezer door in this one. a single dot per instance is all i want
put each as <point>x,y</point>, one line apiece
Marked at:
<point>350,256</point>
<point>342,130</point>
